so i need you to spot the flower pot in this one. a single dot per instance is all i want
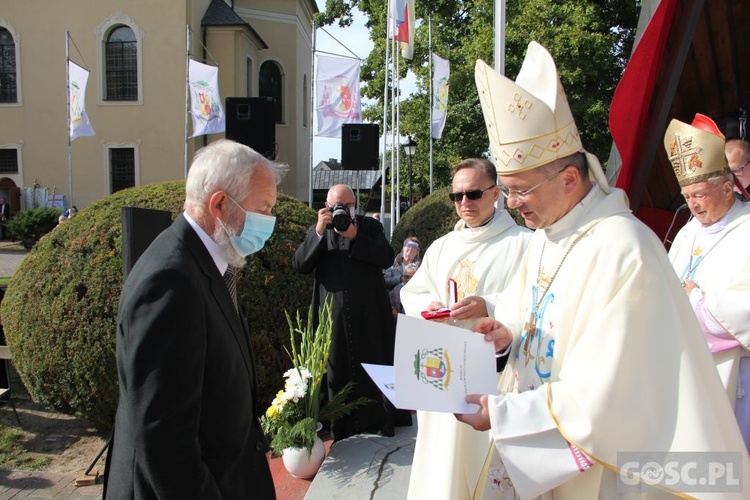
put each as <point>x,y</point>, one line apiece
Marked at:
<point>299,464</point>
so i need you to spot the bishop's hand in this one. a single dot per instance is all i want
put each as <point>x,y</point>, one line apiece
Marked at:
<point>494,331</point>
<point>481,419</point>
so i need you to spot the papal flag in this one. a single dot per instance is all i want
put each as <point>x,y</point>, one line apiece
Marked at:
<point>440,78</point>
<point>79,121</point>
<point>205,101</point>
<point>337,98</point>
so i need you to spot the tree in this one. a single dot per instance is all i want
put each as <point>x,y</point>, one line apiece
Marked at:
<point>589,39</point>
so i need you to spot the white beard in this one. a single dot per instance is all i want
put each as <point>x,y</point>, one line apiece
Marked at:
<point>226,249</point>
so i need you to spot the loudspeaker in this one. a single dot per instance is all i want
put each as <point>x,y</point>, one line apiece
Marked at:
<point>140,227</point>
<point>734,125</point>
<point>359,146</point>
<point>251,121</point>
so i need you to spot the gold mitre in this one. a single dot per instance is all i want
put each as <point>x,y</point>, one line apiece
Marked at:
<point>696,151</point>
<point>529,121</point>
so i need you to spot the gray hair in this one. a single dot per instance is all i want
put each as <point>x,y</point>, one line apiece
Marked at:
<point>718,180</point>
<point>411,267</point>
<point>224,165</point>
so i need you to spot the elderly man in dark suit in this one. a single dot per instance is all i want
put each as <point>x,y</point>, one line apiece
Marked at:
<point>186,425</point>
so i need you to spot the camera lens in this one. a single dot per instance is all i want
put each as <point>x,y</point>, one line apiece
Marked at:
<point>341,220</point>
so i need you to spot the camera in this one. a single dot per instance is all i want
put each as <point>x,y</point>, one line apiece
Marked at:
<point>341,218</point>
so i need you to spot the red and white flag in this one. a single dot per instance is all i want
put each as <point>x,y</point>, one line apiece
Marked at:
<point>79,121</point>
<point>205,101</point>
<point>405,33</point>
<point>396,16</point>
<point>337,99</point>
<point>630,110</point>
<point>440,77</point>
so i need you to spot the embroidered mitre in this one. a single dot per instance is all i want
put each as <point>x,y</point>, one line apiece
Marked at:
<point>696,151</point>
<point>529,121</point>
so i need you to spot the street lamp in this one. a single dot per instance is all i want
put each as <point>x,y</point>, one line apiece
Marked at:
<point>409,149</point>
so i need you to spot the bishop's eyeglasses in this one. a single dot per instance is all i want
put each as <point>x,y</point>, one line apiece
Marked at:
<point>521,195</point>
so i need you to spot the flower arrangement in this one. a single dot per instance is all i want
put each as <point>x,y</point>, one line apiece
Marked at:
<point>292,418</point>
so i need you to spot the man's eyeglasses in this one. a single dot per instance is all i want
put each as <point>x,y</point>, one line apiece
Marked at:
<point>474,194</point>
<point>739,170</point>
<point>522,194</point>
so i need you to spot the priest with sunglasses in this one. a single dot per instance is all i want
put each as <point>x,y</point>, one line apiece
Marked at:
<point>609,379</point>
<point>463,271</point>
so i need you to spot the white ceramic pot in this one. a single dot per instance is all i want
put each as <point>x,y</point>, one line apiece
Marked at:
<point>299,465</point>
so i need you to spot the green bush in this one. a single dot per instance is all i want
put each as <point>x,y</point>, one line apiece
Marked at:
<point>431,218</point>
<point>59,312</point>
<point>28,226</point>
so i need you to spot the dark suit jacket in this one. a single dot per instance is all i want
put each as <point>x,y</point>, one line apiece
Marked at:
<point>4,212</point>
<point>186,425</point>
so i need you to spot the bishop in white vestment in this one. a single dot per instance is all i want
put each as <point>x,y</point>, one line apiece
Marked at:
<point>710,255</point>
<point>607,357</point>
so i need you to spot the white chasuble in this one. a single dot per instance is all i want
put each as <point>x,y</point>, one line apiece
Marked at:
<point>716,259</point>
<point>616,363</point>
<point>449,455</point>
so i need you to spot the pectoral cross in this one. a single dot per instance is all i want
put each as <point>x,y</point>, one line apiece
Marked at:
<point>530,328</point>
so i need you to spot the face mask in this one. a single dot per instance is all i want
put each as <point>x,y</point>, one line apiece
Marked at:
<point>256,231</point>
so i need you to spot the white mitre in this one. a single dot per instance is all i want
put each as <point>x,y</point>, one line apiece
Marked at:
<point>529,121</point>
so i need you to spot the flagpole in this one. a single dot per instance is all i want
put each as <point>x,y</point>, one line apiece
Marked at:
<point>385,137</point>
<point>313,98</point>
<point>396,145</point>
<point>187,94</point>
<point>500,36</point>
<point>394,76</point>
<point>67,114</point>
<point>432,90</point>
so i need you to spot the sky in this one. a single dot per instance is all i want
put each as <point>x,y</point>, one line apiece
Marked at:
<point>357,39</point>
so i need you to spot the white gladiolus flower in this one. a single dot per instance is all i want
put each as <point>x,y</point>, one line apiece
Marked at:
<point>295,387</point>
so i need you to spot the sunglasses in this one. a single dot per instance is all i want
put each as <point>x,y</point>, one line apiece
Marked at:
<point>474,194</point>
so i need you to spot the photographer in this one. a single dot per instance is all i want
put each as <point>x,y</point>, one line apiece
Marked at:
<point>348,253</point>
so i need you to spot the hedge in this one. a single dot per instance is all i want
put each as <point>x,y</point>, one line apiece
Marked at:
<point>59,311</point>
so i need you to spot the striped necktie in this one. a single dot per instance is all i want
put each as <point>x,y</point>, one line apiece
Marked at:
<point>230,279</point>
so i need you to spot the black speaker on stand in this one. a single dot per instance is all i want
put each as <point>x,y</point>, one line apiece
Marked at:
<point>140,227</point>
<point>251,121</point>
<point>359,146</point>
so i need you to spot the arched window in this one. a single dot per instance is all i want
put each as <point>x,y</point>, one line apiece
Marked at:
<point>8,84</point>
<point>121,63</point>
<point>271,85</point>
